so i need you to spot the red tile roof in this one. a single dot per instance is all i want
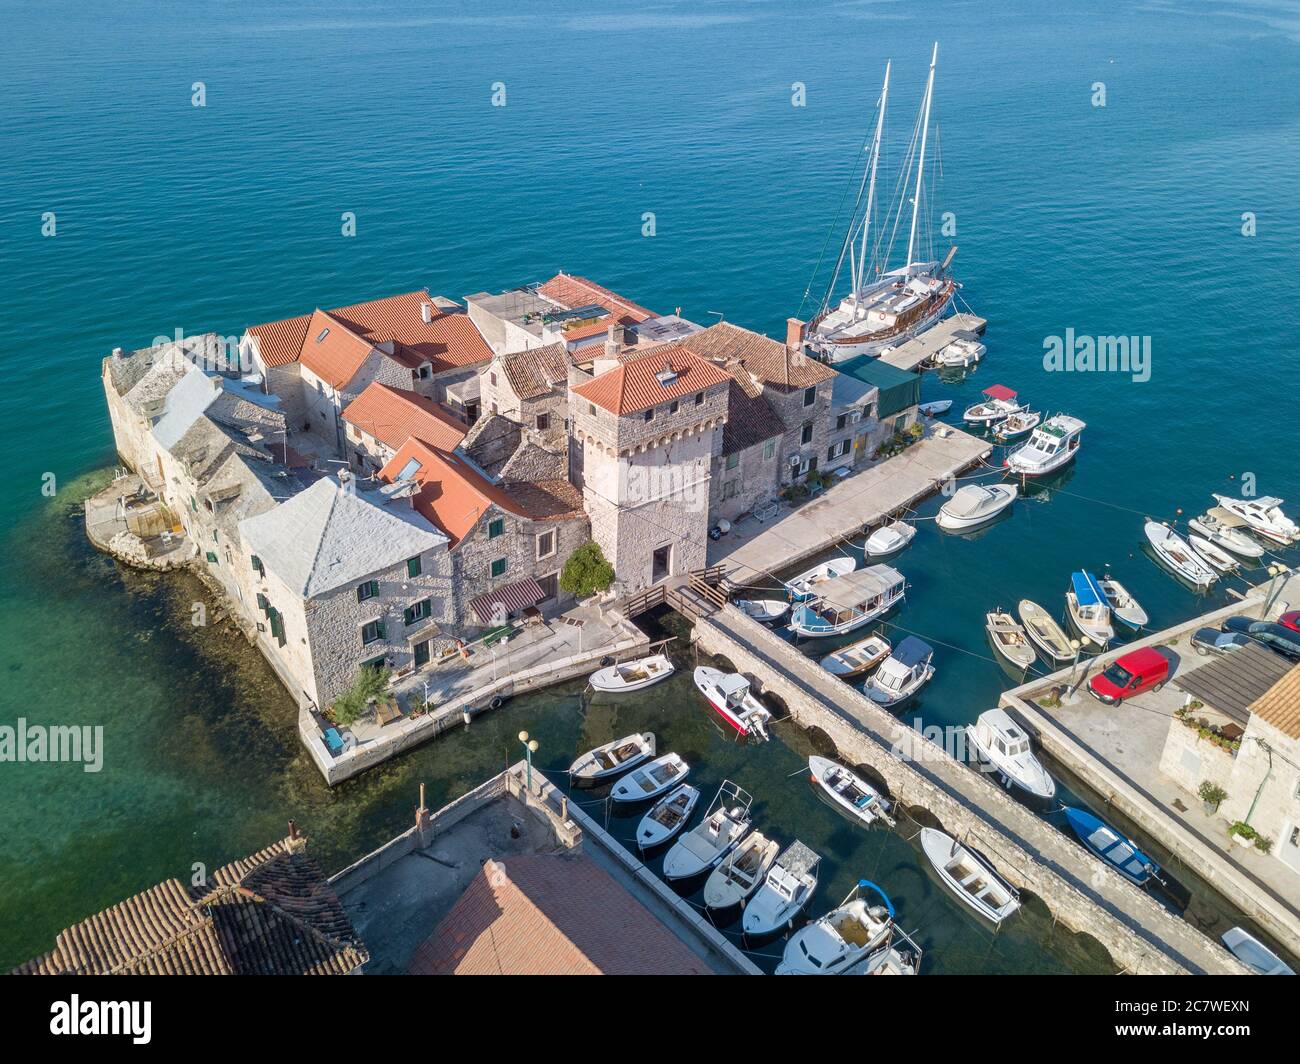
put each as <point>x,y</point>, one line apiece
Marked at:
<point>393,416</point>
<point>573,292</point>
<point>634,385</point>
<point>767,360</point>
<point>332,351</point>
<point>280,342</point>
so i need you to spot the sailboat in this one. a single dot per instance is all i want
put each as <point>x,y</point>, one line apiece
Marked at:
<point>895,305</point>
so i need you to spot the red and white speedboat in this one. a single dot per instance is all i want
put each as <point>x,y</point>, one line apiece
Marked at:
<point>728,693</point>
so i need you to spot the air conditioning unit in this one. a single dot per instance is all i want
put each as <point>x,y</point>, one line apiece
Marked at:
<point>795,460</point>
<point>855,417</point>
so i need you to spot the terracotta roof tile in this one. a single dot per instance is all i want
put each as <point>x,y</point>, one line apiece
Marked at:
<point>280,342</point>
<point>333,351</point>
<point>536,371</point>
<point>634,385</point>
<point>769,361</point>
<point>573,291</point>
<point>1280,704</point>
<point>393,416</point>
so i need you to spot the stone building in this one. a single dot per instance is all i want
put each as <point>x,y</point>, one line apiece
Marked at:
<point>381,419</point>
<point>530,387</point>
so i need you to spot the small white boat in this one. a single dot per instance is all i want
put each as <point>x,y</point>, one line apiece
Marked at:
<point>1174,552</point>
<point>1225,529</point>
<point>849,792</point>
<point>737,877</point>
<point>1001,743</point>
<point>804,585</point>
<point>1047,635</point>
<point>613,758</point>
<point>963,351</point>
<point>1001,402</point>
<point>723,826</point>
<point>652,780</point>
<point>1009,639</point>
<point>970,876</point>
<point>849,602</point>
<point>786,889</point>
<point>842,939</point>
<point>1052,445</point>
<point>1017,425</point>
<point>889,539</point>
<point>1264,516</point>
<point>1089,609</point>
<point>667,817</point>
<point>765,611</point>
<point>1254,954</point>
<point>901,957</point>
<point>728,693</point>
<point>974,504</point>
<point>857,658</point>
<point>936,408</point>
<point>1123,606</point>
<point>1217,557</point>
<point>902,674</point>
<point>633,675</point>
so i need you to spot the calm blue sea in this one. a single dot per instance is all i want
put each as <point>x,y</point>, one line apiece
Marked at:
<point>1123,219</point>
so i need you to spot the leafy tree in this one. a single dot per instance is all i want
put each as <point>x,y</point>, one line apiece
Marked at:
<point>586,571</point>
<point>370,683</point>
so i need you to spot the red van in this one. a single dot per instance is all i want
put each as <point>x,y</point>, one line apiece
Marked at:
<point>1130,674</point>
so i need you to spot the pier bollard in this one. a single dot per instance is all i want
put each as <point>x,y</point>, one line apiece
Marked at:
<point>467,715</point>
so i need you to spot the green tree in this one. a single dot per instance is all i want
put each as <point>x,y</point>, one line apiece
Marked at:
<point>586,571</point>
<point>370,683</point>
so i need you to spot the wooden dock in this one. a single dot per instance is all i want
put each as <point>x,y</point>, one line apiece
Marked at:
<point>915,353</point>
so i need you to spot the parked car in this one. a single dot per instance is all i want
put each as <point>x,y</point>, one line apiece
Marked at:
<point>1290,619</point>
<point>1278,637</point>
<point>1208,641</point>
<point>1130,674</point>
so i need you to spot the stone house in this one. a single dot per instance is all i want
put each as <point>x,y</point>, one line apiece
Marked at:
<point>747,460</point>
<point>378,421</point>
<point>897,399</point>
<point>530,387</point>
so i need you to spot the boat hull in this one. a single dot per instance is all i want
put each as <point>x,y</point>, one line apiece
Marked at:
<point>650,832</point>
<point>840,349</point>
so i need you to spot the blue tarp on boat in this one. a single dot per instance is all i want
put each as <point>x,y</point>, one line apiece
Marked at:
<point>1087,591</point>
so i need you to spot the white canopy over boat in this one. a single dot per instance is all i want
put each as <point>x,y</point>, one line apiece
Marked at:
<point>1000,402</point>
<point>848,602</point>
<point>969,876</point>
<point>1088,608</point>
<point>788,887</point>
<point>613,757</point>
<point>1002,743</point>
<point>974,504</point>
<point>633,675</point>
<point>667,816</point>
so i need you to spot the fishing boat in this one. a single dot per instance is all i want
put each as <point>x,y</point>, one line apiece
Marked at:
<point>1047,635</point>
<point>857,658</point>
<point>613,758</point>
<point>970,876</point>
<point>964,350</point>
<point>848,792</point>
<point>723,826</point>
<point>1217,557</point>
<point>1117,851</point>
<point>651,780</point>
<point>1088,608</point>
<point>889,539</point>
<point>667,816</point>
<point>846,936</point>
<point>1176,554</point>
<point>1263,516</point>
<point>1002,744</point>
<point>1254,954</point>
<point>975,504</point>
<point>1225,529</point>
<point>848,602</point>
<point>787,888</point>
<point>765,611</point>
<point>902,956</point>
<point>1123,606</point>
<point>884,308</point>
<point>739,875</point>
<point>902,674</point>
<point>935,408</point>
<point>1000,402</point>
<point>1017,425</point>
<point>804,585</point>
<point>633,675</point>
<point>1052,445</point>
<point>728,693</point>
<point>1009,639</point>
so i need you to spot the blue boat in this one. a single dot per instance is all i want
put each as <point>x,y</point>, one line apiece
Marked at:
<point>1119,852</point>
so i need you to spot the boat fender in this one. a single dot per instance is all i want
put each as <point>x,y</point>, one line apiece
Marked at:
<point>606,662</point>
<point>496,702</point>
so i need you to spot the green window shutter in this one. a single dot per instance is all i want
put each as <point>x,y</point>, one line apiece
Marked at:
<point>374,588</point>
<point>499,567</point>
<point>379,630</point>
<point>409,616</point>
<point>496,527</point>
<point>194,504</point>
<point>413,566</point>
<point>263,604</point>
<point>211,557</point>
<point>258,567</point>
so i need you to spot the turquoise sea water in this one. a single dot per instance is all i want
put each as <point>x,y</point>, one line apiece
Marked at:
<point>1117,220</point>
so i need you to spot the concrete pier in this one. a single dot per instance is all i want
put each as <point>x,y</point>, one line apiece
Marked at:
<point>915,353</point>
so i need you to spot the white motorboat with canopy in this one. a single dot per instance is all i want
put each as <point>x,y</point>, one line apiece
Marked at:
<point>1017,425</point>
<point>667,816</point>
<point>1176,554</point>
<point>1047,635</point>
<point>848,602</point>
<point>1000,742</point>
<point>805,584</point>
<point>724,825</point>
<point>728,693</point>
<point>1089,609</point>
<point>652,780</point>
<point>1009,639</point>
<point>613,757</point>
<point>1225,529</point>
<point>1263,516</point>
<point>786,890</point>
<point>1000,402</point>
<point>849,792</point>
<point>740,873</point>
<point>1052,445</point>
<point>963,350</point>
<point>857,658</point>
<point>846,936</point>
<point>889,539</point>
<point>970,876</point>
<point>1123,606</point>
<point>902,674</point>
<point>975,504</point>
<point>633,675</point>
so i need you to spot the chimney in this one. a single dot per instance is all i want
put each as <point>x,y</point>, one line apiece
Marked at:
<point>613,341</point>
<point>295,843</point>
<point>426,311</point>
<point>347,483</point>
<point>794,333</point>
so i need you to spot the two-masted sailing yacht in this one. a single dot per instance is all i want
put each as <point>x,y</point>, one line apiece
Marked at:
<point>884,307</point>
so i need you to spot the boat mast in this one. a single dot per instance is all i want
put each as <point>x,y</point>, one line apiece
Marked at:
<point>920,166</point>
<point>861,280</point>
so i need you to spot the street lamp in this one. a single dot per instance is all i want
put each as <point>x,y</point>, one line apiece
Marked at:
<point>1274,571</point>
<point>530,748</point>
<point>1074,665</point>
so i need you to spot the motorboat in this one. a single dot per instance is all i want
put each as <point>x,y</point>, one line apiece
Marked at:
<point>633,675</point>
<point>1254,954</point>
<point>1218,558</point>
<point>846,936</point>
<point>803,586</point>
<point>651,780</point>
<point>613,758</point>
<point>1009,639</point>
<point>999,402</point>
<point>1052,445</point>
<point>724,825</point>
<point>1225,529</point>
<point>667,816</point>
<point>857,658</point>
<point>970,876</point>
<point>1089,609</point>
<point>765,611</point>
<point>728,693</point>
<point>974,504</point>
<point>1048,636</point>
<point>1123,606</point>
<point>901,674</point>
<point>1002,744</point>
<point>849,792</point>
<point>1017,426</point>
<point>1121,853</point>
<point>1263,516</point>
<point>787,888</point>
<point>963,350</point>
<point>1174,552</point>
<point>936,408</point>
<point>847,603</point>
<point>889,539</point>
<point>902,956</point>
<point>740,874</point>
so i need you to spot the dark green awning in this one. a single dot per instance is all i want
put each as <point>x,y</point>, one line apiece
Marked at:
<point>898,388</point>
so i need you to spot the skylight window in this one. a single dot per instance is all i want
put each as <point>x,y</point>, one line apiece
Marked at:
<point>666,375</point>
<point>323,333</point>
<point>409,470</point>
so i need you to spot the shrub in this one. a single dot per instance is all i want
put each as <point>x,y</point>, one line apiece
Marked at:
<point>370,683</point>
<point>586,571</point>
<point>1212,793</point>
